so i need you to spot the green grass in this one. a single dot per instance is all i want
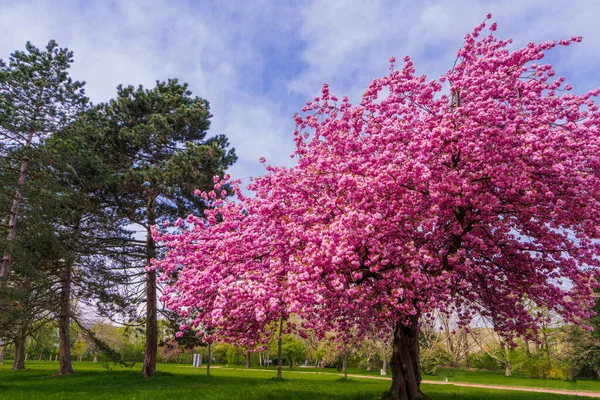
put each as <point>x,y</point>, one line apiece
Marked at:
<point>517,380</point>
<point>92,381</point>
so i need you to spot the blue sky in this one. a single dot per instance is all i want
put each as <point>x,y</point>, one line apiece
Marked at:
<point>257,62</point>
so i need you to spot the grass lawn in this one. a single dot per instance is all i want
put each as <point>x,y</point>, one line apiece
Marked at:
<point>183,382</point>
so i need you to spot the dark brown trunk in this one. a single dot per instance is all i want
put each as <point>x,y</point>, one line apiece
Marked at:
<point>209,360</point>
<point>248,360</point>
<point>406,375</point>
<point>19,361</point>
<point>345,364</point>
<point>149,367</point>
<point>279,350</point>
<point>64,321</point>
<point>2,354</point>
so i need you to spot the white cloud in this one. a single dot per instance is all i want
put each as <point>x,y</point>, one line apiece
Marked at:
<point>347,44</point>
<point>257,62</point>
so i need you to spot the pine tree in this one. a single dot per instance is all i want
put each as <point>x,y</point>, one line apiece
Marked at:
<point>156,142</point>
<point>37,97</point>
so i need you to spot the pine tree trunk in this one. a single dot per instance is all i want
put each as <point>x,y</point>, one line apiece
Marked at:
<point>64,321</point>
<point>279,350</point>
<point>2,354</point>
<point>406,375</point>
<point>5,265</point>
<point>248,360</point>
<point>209,360</point>
<point>149,367</point>
<point>19,361</point>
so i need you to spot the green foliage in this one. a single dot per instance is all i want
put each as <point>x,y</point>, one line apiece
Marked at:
<point>431,358</point>
<point>293,350</point>
<point>483,360</point>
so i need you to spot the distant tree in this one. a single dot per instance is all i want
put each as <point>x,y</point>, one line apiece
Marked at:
<point>293,350</point>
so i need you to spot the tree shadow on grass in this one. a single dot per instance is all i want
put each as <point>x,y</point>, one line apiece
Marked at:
<point>166,385</point>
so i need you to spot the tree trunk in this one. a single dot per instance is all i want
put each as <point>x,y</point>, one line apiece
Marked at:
<point>406,375</point>
<point>260,364</point>
<point>209,360</point>
<point>248,360</point>
<point>19,361</point>
<point>345,364</point>
<point>384,355</point>
<point>279,350</point>
<point>64,320</point>
<point>369,363</point>
<point>5,266</point>
<point>95,356</point>
<point>149,368</point>
<point>2,354</point>
<point>507,367</point>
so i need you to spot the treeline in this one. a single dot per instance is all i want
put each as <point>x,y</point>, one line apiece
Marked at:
<point>557,351</point>
<point>81,184</point>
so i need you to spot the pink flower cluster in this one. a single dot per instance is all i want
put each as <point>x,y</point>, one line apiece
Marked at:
<point>479,199</point>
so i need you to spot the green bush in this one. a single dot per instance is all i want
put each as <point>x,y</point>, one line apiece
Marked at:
<point>482,360</point>
<point>429,359</point>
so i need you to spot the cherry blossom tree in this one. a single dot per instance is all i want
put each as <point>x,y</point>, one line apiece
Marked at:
<point>473,194</point>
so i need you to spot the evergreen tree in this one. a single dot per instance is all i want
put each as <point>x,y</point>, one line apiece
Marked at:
<point>156,142</point>
<point>37,97</point>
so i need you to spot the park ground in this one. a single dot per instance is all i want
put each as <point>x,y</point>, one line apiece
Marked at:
<point>181,382</point>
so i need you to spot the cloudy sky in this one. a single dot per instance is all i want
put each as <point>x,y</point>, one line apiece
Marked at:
<point>257,62</point>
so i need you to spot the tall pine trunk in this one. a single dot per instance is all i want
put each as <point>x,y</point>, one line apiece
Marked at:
<point>64,320</point>
<point>406,375</point>
<point>149,367</point>
<point>5,265</point>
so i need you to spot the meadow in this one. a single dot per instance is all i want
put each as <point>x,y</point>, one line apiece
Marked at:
<point>182,382</point>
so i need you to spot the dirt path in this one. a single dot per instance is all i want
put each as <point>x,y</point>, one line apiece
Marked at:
<point>495,387</point>
<point>462,384</point>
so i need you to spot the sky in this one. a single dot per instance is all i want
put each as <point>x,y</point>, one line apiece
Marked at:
<point>257,62</point>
